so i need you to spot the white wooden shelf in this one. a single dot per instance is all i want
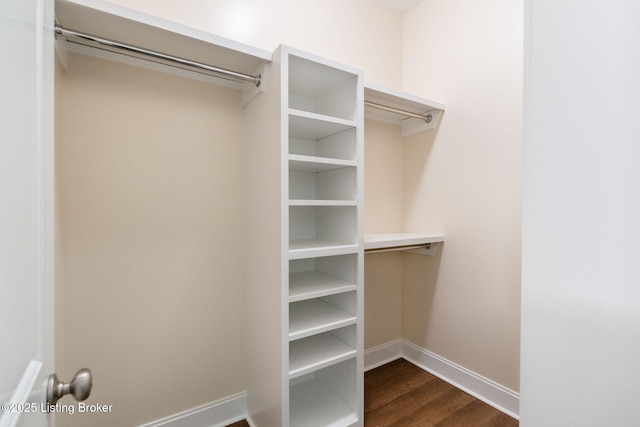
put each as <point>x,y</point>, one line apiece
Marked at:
<point>399,241</point>
<point>322,203</point>
<point>314,405</point>
<point>316,164</point>
<point>314,284</point>
<point>312,126</point>
<point>316,352</point>
<point>312,248</point>
<point>401,101</point>
<point>314,316</point>
<point>114,22</point>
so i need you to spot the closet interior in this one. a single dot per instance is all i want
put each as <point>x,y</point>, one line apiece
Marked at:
<point>304,240</point>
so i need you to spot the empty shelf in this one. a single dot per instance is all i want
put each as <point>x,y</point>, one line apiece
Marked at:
<point>316,352</point>
<point>313,126</point>
<point>322,203</point>
<point>314,284</point>
<point>314,316</point>
<point>316,164</point>
<point>314,405</point>
<point>310,248</point>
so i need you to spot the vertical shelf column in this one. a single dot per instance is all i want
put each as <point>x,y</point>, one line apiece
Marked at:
<point>304,240</point>
<point>324,124</point>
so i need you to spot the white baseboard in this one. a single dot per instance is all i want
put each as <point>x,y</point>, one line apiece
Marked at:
<point>250,421</point>
<point>381,354</point>
<point>490,392</point>
<point>234,408</point>
<point>215,414</point>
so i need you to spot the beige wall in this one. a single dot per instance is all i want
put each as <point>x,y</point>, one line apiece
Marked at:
<point>361,33</point>
<point>384,178</point>
<point>384,212</point>
<point>151,259</point>
<point>150,196</point>
<point>150,291</point>
<point>468,55</point>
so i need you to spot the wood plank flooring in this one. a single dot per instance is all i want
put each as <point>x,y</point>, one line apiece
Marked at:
<point>399,394</point>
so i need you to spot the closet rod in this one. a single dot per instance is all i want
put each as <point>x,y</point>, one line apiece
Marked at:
<point>60,31</point>
<point>426,246</point>
<point>426,117</point>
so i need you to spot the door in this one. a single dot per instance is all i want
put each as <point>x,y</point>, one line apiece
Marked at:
<point>26,210</point>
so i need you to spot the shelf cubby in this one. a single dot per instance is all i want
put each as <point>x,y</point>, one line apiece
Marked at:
<point>312,284</point>
<point>313,353</point>
<point>325,398</point>
<point>322,276</point>
<point>321,181</point>
<point>307,137</point>
<point>321,89</point>
<point>311,127</point>
<point>318,315</point>
<point>317,226</point>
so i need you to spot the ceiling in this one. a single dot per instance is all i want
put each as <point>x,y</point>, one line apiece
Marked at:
<point>400,5</point>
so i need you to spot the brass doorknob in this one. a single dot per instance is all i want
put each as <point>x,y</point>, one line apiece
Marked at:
<point>79,387</point>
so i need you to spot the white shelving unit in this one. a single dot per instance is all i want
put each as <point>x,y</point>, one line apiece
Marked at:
<point>305,172</point>
<point>324,137</point>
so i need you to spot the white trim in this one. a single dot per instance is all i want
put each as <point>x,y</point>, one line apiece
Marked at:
<point>382,354</point>
<point>249,421</point>
<point>490,392</point>
<point>234,408</point>
<point>21,393</point>
<point>215,414</point>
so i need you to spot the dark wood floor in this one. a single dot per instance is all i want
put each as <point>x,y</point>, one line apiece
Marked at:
<point>400,394</point>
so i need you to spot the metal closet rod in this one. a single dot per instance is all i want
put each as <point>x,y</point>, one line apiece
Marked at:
<point>158,55</point>
<point>426,117</point>
<point>425,246</point>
